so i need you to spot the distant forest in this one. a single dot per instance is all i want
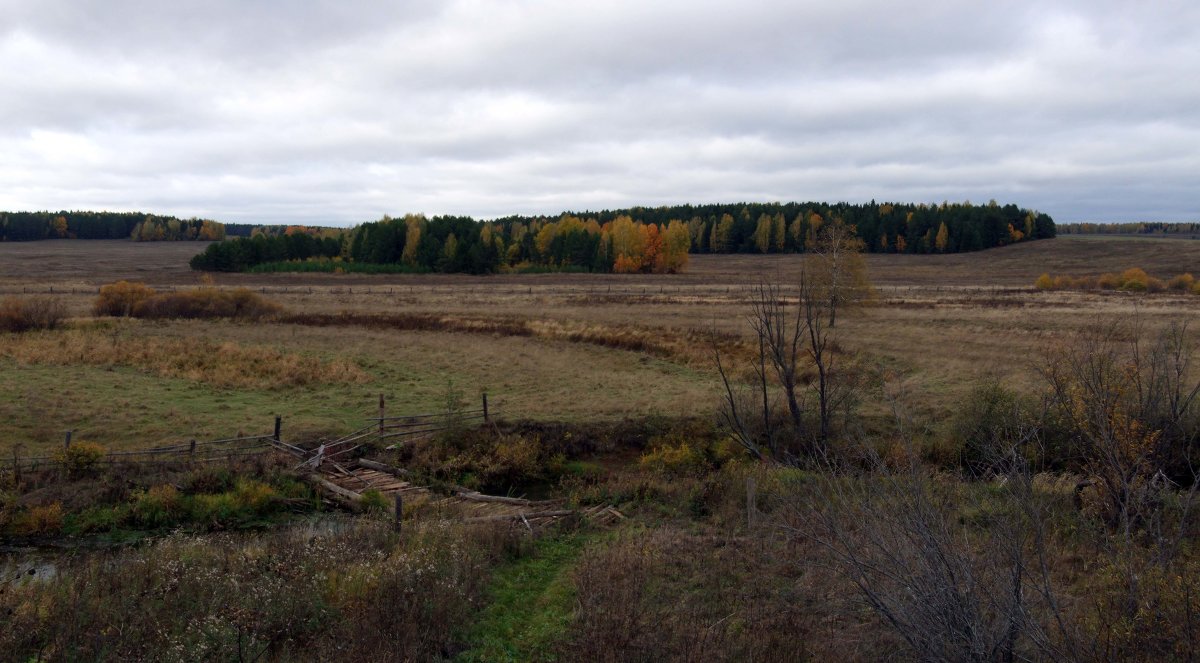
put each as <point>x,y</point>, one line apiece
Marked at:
<point>31,226</point>
<point>637,239</point>
<point>1132,228</point>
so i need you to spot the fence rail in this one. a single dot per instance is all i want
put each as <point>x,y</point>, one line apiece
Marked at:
<point>195,451</point>
<point>379,429</point>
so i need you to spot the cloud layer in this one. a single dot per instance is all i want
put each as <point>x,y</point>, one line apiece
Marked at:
<point>337,112</point>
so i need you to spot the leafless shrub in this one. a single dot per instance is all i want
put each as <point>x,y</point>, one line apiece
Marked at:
<point>20,315</point>
<point>797,350</point>
<point>1132,406</point>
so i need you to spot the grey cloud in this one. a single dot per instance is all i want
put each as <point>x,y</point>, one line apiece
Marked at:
<point>337,112</point>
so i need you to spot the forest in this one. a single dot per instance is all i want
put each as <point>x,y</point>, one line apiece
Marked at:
<point>32,226</point>
<point>1132,228</point>
<point>645,240</point>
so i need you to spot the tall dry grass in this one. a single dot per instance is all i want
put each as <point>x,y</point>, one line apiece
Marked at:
<point>222,364</point>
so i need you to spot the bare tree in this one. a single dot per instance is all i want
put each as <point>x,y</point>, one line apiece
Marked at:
<point>792,334</point>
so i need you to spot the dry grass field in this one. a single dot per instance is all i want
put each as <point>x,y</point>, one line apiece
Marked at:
<point>606,392</point>
<point>588,347</point>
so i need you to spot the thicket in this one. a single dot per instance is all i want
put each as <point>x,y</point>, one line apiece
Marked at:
<point>25,314</point>
<point>624,241</point>
<point>359,593</point>
<point>137,300</point>
<point>1132,280</point>
<point>83,496</point>
<point>30,226</point>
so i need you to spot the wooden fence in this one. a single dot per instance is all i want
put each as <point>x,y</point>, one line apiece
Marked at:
<point>191,451</point>
<point>381,429</point>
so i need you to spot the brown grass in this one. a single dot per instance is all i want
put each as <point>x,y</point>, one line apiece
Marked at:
<point>222,364</point>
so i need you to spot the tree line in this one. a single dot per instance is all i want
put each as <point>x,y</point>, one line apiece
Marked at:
<point>454,244</point>
<point>32,226</point>
<point>1132,228</point>
<point>624,241</point>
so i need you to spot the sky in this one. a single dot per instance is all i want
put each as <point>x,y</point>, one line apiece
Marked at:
<point>338,111</point>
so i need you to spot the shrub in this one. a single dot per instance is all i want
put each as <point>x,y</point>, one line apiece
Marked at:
<point>157,507</point>
<point>125,298</point>
<point>1135,279</point>
<point>684,459</point>
<point>42,520</point>
<point>206,303</point>
<point>119,299</point>
<point>1182,283</point>
<point>989,425</point>
<point>81,458</point>
<point>254,496</point>
<point>1109,281</point>
<point>19,315</point>
<point>374,501</point>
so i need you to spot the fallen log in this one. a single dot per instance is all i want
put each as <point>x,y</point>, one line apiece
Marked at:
<point>347,498</point>
<point>519,516</point>
<point>380,467</point>
<point>480,497</point>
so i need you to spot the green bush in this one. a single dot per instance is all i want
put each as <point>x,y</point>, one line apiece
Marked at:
<point>988,425</point>
<point>374,501</point>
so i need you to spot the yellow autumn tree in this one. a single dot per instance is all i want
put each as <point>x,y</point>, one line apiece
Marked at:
<point>722,232</point>
<point>838,270</point>
<point>628,242</point>
<point>414,225</point>
<point>942,239</point>
<point>676,242</point>
<point>762,234</point>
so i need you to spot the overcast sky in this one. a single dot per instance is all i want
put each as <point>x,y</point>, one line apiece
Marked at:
<point>340,111</point>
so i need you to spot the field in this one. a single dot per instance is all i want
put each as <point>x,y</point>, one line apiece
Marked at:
<point>979,306</point>
<point>622,363</point>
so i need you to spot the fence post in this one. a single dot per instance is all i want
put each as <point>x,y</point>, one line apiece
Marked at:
<point>751,507</point>
<point>192,448</point>
<point>17,466</point>
<point>486,418</point>
<point>399,511</point>
<point>278,427</point>
<point>382,414</point>
<point>67,441</point>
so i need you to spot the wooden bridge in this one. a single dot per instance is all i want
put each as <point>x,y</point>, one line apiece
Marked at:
<point>347,483</point>
<point>346,480</point>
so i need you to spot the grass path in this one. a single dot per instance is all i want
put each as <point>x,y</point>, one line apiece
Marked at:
<point>530,604</point>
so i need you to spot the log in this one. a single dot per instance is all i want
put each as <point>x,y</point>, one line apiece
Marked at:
<point>347,498</point>
<point>480,497</point>
<point>380,467</point>
<point>519,516</point>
